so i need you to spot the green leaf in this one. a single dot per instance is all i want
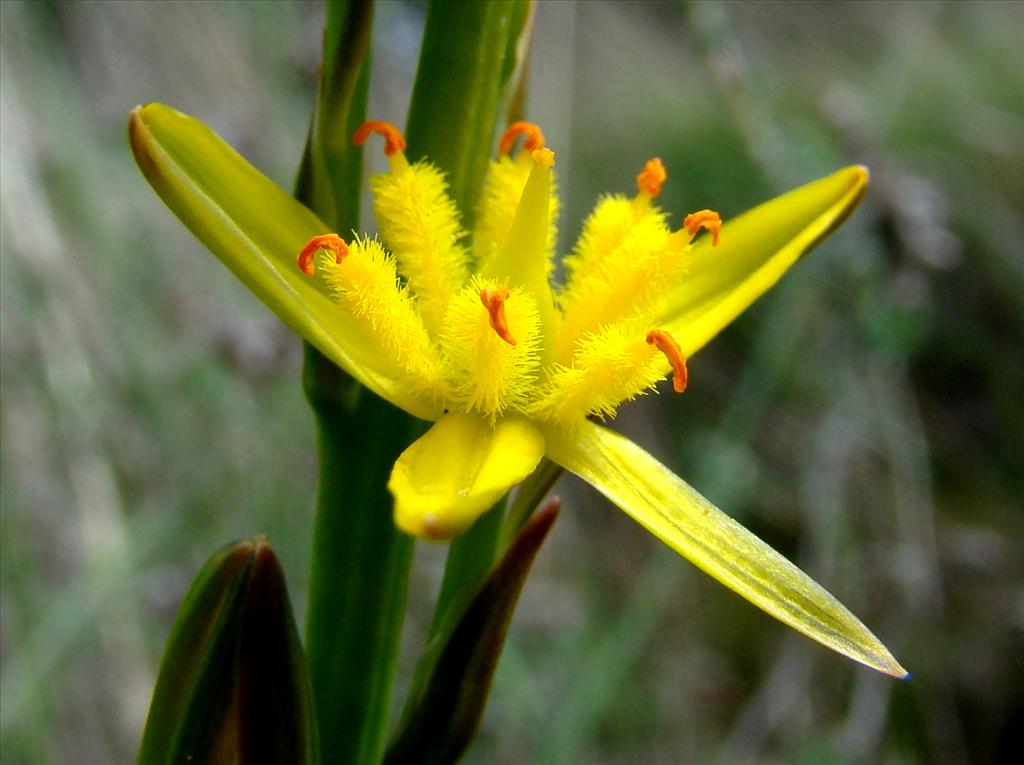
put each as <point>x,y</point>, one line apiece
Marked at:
<point>460,82</point>
<point>360,568</point>
<point>517,57</point>
<point>336,164</point>
<point>445,716</point>
<point>233,684</point>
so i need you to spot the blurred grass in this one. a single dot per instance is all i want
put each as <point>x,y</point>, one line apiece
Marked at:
<point>866,418</point>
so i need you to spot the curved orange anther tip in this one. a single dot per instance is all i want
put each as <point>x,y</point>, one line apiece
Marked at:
<point>494,302</point>
<point>534,137</point>
<point>668,345</point>
<point>544,157</point>
<point>649,180</point>
<point>330,242</point>
<point>706,219</point>
<point>394,142</point>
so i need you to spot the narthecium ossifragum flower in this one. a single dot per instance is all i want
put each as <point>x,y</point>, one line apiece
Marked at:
<point>471,330</point>
<point>476,328</point>
<point>466,330</point>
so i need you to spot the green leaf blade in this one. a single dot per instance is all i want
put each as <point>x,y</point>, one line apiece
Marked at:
<point>460,83</point>
<point>233,684</point>
<point>211,601</point>
<point>443,719</point>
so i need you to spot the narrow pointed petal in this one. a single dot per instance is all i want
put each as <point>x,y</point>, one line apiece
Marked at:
<point>684,520</point>
<point>755,249</point>
<point>256,229</point>
<point>458,469</point>
<point>523,261</point>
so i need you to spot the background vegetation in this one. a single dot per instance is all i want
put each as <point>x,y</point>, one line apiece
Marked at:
<point>867,418</point>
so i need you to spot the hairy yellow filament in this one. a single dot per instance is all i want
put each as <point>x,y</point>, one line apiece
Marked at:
<point>420,223</point>
<point>487,374</point>
<point>365,284</point>
<point>621,267</point>
<point>608,367</point>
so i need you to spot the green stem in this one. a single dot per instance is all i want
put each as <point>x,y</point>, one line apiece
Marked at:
<point>360,568</point>
<point>360,574</point>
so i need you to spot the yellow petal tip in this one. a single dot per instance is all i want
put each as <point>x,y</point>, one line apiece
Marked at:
<point>892,668</point>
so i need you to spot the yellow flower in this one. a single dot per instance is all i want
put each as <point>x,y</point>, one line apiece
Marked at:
<point>475,337</point>
<point>467,331</point>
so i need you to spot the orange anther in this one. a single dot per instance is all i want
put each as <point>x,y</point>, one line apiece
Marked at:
<point>706,219</point>
<point>534,138</point>
<point>668,345</point>
<point>330,242</point>
<point>494,302</point>
<point>649,180</point>
<point>394,142</point>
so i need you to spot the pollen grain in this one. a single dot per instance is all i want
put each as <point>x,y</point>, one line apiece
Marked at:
<point>543,157</point>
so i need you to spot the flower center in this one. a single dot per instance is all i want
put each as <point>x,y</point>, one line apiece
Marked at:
<point>418,303</point>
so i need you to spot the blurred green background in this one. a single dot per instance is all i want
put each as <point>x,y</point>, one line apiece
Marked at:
<point>867,418</point>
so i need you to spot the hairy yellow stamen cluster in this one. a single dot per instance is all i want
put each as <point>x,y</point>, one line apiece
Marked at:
<point>620,267</point>
<point>499,341</point>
